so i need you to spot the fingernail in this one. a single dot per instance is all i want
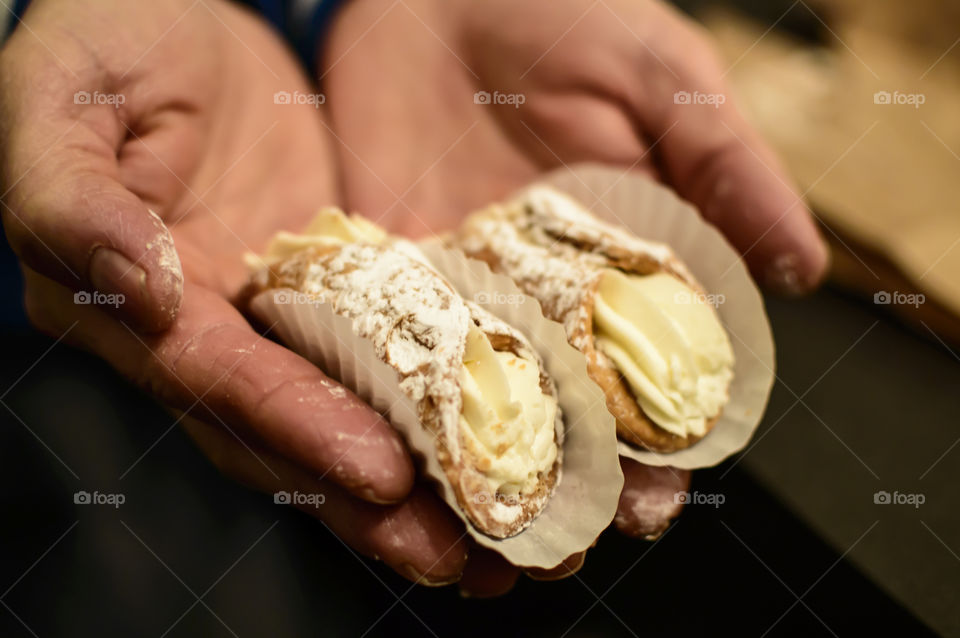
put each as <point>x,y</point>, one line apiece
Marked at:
<point>368,494</point>
<point>411,572</point>
<point>122,283</point>
<point>783,277</point>
<point>655,535</point>
<point>567,568</point>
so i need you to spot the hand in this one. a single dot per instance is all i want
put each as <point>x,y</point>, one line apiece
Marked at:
<point>598,82</point>
<point>179,117</point>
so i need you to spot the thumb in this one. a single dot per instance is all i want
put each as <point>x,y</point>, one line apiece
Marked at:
<point>95,237</point>
<point>64,210</point>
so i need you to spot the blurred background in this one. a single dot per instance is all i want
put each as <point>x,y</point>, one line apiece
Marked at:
<point>861,98</point>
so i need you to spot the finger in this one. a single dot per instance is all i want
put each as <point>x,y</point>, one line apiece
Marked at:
<point>487,574</point>
<point>715,159</point>
<point>419,538</point>
<point>649,500</point>
<point>212,364</point>
<point>64,211</point>
<point>570,566</point>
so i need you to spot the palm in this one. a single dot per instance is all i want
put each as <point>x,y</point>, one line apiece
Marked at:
<point>410,127</point>
<point>227,167</point>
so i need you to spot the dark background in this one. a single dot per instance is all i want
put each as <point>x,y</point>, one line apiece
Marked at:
<point>799,547</point>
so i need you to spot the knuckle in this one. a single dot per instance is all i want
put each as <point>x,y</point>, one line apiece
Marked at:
<point>289,388</point>
<point>182,367</point>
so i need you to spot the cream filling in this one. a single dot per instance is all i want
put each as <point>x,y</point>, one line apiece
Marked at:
<point>668,344</point>
<point>329,227</point>
<point>506,420</point>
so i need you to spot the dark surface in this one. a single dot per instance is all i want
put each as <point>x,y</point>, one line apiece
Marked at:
<point>864,405</point>
<point>734,570</point>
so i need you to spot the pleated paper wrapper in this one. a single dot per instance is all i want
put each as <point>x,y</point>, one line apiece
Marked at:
<point>652,211</point>
<point>585,500</point>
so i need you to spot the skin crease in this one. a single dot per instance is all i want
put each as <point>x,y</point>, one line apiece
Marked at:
<point>200,141</point>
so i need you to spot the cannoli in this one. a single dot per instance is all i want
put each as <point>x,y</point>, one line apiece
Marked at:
<point>479,387</point>
<point>651,336</point>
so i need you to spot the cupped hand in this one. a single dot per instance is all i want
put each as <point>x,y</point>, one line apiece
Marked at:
<point>112,109</point>
<point>557,82</point>
<point>440,106</point>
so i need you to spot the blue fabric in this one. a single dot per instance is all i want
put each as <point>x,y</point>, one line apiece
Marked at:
<point>315,32</point>
<point>304,36</point>
<point>275,11</point>
<point>19,7</point>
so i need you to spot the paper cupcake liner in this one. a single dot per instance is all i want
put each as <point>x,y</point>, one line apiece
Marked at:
<point>654,212</point>
<point>586,497</point>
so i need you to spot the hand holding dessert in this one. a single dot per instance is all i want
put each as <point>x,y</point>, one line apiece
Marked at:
<point>274,402</point>
<point>494,418</point>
